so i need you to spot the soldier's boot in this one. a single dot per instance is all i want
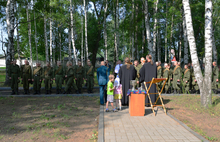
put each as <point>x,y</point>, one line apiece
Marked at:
<point>28,92</point>
<point>49,91</point>
<point>69,91</point>
<point>25,91</point>
<point>57,91</point>
<point>13,92</point>
<point>64,92</point>
<point>60,91</point>
<point>38,92</point>
<point>16,92</point>
<point>174,91</point>
<point>88,91</point>
<point>46,92</point>
<point>80,91</point>
<point>198,92</point>
<point>91,91</point>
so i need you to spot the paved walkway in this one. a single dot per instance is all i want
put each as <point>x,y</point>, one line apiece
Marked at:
<point>121,127</point>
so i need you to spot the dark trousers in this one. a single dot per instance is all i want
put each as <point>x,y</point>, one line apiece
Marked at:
<point>101,90</point>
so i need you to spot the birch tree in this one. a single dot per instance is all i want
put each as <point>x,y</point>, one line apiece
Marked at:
<point>148,33</point>
<point>45,36</point>
<point>18,39</point>
<point>153,51</point>
<point>186,58</point>
<point>35,33</point>
<point>158,46</point>
<point>72,33</point>
<point>69,40</point>
<point>10,30</point>
<point>203,82</point>
<point>180,42</point>
<point>29,34</point>
<point>105,32</point>
<point>166,32</point>
<point>86,42</point>
<point>51,37</point>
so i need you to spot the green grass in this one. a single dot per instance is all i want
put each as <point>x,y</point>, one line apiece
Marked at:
<point>2,67</point>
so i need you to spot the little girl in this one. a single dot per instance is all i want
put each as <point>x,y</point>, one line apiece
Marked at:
<point>118,93</point>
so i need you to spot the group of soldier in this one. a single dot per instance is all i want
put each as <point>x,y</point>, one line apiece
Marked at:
<point>72,76</point>
<point>180,80</point>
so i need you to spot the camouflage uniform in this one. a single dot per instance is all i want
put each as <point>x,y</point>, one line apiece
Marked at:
<point>186,78</point>
<point>26,73</point>
<point>59,74</point>
<point>194,83</point>
<point>138,75</point>
<point>89,70</point>
<point>215,74</point>
<point>166,75</point>
<point>48,76</point>
<point>79,74</point>
<point>37,76</point>
<point>176,76</point>
<point>14,73</point>
<point>69,79</point>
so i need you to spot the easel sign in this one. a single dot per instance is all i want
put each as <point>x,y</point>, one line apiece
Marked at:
<point>155,81</point>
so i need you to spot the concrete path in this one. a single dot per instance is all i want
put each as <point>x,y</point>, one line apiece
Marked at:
<point>121,127</point>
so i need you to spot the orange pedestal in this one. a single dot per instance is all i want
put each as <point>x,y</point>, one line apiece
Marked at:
<point>137,104</point>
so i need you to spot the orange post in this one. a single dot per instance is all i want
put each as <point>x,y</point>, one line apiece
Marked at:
<point>137,104</point>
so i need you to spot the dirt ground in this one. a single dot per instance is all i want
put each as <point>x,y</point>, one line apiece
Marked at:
<point>187,109</point>
<point>49,119</point>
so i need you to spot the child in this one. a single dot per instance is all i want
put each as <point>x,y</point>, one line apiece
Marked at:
<point>118,92</point>
<point>110,93</point>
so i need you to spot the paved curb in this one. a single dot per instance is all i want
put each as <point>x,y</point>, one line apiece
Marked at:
<point>186,127</point>
<point>42,88</point>
<point>53,95</point>
<point>101,124</point>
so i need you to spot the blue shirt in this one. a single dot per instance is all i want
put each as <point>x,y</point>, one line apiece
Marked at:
<point>102,75</point>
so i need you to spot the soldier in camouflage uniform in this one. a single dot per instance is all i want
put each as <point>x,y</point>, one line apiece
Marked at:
<point>195,87</point>
<point>79,76</point>
<point>48,78</point>
<point>69,76</point>
<point>14,74</point>
<point>186,79</point>
<point>166,75</point>
<point>136,64</point>
<point>26,76</point>
<point>159,72</point>
<point>58,76</point>
<point>176,78</point>
<point>37,78</point>
<point>89,70</point>
<point>215,74</point>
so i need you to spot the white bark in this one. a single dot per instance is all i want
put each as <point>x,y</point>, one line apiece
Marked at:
<point>136,30</point>
<point>29,35</point>
<point>148,33</point>
<point>72,35</point>
<point>203,82</point>
<point>105,32</point>
<point>166,32</point>
<point>82,36</point>
<point>117,28</point>
<point>86,42</point>
<point>51,38</point>
<point>143,35</point>
<point>180,43</point>
<point>171,39</point>
<point>35,33</point>
<point>185,40</point>
<point>158,46</point>
<point>155,31</point>
<point>18,44</point>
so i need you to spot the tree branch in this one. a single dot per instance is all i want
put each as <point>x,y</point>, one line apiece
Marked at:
<point>27,21</point>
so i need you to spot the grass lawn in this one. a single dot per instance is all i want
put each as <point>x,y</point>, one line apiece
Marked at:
<point>187,108</point>
<point>2,67</point>
<point>49,119</point>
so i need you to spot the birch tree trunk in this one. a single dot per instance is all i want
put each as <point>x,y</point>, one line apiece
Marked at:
<point>105,32</point>
<point>155,31</point>
<point>82,36</point>
<point>18,44</point>
<point>45,37</point>
<point>51,38</point>
<point>136,31</point>
<point>171,39</point>
<point>166,32</point>
<point>72,35</point>
<point>10,30</point>
<point>117,28</point>
<point>69,40</point>
<point>186,56</point>
<point>148,33</point>
<point>86,42</point>
<point>143,35</point>
<point>203,82</point>
<point>29,36</point>
<point>35,33</point>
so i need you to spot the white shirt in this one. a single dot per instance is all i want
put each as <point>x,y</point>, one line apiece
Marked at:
<point>117,67</point>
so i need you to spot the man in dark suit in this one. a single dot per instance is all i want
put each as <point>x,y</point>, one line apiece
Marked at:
<point>102,80</point>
